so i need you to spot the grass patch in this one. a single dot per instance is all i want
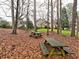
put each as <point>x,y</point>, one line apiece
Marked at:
<point>45,30</point>
<point>65,32</point>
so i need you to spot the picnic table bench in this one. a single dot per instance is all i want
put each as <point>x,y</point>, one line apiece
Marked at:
<point>44,49</point>
<point>56,44</point>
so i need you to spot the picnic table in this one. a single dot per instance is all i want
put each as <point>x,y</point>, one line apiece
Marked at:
<point>55,44</point>
<point>35,34</point>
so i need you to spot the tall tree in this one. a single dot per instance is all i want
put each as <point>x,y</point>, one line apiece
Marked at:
<point>27,15</point>
<point>60,16</point>
<point>35,16</point>
<point>64,20</point>
<point>51,15</point>
<point>22,5</point>
<point>17,17</point>
<point>58,22</point>
<point>12,12</point>
<point>74,18</point>
<point>69,7</point>
<point>77,25</point>
<point>48,19</point>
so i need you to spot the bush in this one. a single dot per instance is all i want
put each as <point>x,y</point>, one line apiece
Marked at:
<point>29,25</point>
<point>4,24</point>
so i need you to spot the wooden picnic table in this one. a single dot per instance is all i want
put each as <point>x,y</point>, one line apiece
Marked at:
<point>56,44</point>
<point>58,47</point>
<point>35,34</point>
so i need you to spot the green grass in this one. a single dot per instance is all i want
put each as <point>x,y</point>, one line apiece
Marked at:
<point>45,30</point>
<point>65,32</point>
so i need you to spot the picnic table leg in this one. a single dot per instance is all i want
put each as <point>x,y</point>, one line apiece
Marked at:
<point>62,51</point>
<point>51,53</point>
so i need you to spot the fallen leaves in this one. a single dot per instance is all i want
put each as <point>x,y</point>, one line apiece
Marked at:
<point>21,46</point>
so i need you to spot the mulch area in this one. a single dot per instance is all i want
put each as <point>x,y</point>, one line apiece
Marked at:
<point>21,46</point>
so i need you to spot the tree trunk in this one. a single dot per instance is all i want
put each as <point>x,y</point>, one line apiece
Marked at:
<point>48,19</point>
<point>12,11</point>
<point>58,22</point>
<point>27,15</point>
<point>35,27</point>
<point>22,5</point>
<point>17,17</point>
<point>77,25</point>
<point>74,18</point>
<point>60,16</point>
<point>51,15</point>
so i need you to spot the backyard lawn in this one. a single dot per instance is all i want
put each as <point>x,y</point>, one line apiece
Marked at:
<point>65,32</point>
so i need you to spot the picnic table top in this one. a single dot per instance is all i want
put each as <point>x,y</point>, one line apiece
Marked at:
<point>55,43</point>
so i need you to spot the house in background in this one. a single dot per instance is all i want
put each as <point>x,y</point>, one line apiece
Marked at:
<point>41,23</point>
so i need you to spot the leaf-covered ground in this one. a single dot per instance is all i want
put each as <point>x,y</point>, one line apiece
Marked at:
<point>21,46</point>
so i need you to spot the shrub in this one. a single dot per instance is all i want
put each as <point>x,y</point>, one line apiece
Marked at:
<point>29,25</point>
<point>4,24</point>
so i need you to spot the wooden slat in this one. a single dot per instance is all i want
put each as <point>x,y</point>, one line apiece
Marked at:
<point>68,51</point>
<point>55,43</point>
<point>44,49</point>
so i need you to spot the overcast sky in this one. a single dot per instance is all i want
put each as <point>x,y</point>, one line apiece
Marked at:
<point>2,14</point>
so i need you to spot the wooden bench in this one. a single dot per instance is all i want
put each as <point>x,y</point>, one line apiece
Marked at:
<point>44,49</point>
<point>67,50</point>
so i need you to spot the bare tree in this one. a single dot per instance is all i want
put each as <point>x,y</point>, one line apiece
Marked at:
<point>35,16</point>
<point>51,15</point>
<point>27,15</point>
<point>58,22</point>
<point>12,11</point>
<point>60,16</point>
<point>48,19</point>
<point>74,18</point>
<point>77,25</point>
<point>17,17</point>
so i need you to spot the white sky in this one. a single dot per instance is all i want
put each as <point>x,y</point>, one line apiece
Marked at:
<point>2,14</point>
